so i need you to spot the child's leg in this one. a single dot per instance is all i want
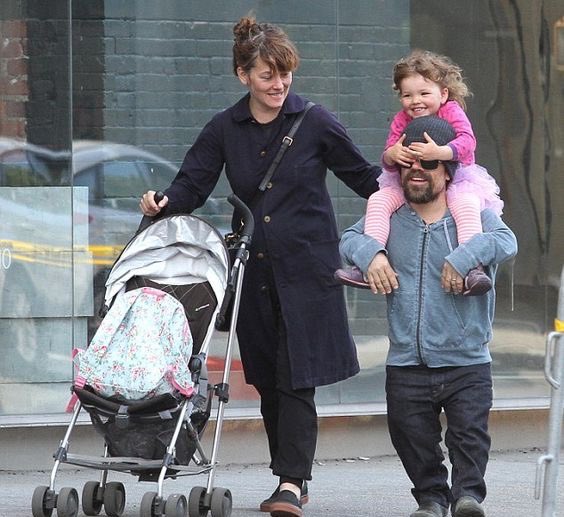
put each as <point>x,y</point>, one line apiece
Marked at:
<point>465,208</point>
<point>380,207</point>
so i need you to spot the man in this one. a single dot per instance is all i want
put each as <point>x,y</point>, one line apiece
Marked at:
<point>438,358</point>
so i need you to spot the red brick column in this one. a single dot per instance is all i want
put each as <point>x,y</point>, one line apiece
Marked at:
<point>14,91</point>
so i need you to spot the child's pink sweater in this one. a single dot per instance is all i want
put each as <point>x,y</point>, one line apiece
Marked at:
<point>463,146</point>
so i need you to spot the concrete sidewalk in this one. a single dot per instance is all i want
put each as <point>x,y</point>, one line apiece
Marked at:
<point>359,487</point>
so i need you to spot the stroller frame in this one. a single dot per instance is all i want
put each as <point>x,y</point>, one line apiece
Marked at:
<point>111,495</point>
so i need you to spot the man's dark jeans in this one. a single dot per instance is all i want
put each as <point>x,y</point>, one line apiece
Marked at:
<point>415,396</point>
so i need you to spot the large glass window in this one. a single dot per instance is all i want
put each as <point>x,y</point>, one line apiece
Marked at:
<point>99,101</point>
<point>45,273</point>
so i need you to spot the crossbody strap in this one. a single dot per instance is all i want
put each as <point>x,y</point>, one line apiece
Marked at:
<point>286,142</point>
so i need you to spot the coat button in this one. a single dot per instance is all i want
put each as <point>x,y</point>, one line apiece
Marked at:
<point>260,255</point>
<point>266,219</point>
<point>264,288</point>
<point>269,185</point>
<point>263,153</point>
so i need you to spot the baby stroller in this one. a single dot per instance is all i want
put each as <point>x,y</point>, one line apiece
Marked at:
<point>185,261</point>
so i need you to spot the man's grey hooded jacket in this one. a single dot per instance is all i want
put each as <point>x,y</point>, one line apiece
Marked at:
<point>426,325</point>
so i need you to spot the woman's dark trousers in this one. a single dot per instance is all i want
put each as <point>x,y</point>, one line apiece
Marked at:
<point>290,420</point>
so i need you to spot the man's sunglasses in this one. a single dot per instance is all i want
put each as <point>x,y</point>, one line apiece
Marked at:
<point>428,165</point>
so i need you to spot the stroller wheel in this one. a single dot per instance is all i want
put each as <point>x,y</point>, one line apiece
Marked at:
<point>196,502</point>
<point>221,502</point>
<point>176,506</point>
<point>91,498</point>
<point>148,503</point>
<point>42,502</point>
<point>67,503</point>
<point>114,499</point>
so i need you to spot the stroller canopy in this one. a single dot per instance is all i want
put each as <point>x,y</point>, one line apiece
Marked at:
<point>176,250</point>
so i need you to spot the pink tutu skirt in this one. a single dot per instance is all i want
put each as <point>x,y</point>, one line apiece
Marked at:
<point>390,179</point>
<point>468,179</point>
<point>474,179</point>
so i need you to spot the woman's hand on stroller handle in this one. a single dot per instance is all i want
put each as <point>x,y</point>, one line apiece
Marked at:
<point>152,202</point>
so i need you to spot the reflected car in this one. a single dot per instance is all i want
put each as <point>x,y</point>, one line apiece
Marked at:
<point>116,175</point>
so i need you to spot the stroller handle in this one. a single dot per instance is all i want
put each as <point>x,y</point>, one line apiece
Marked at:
<point>238,259</point>
<point>246,217</point>
<point>159,196</point>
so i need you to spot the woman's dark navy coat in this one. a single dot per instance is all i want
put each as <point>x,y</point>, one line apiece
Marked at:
<point>295,246</point>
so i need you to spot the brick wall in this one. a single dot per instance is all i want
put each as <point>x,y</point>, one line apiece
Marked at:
<point>14,90</point>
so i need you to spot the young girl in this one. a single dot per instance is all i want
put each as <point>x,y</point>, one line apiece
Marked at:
<point>431,84</point>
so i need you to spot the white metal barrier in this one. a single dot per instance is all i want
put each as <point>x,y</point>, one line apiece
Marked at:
<point>547,466</point>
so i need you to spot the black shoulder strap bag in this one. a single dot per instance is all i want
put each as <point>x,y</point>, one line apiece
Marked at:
<point>232,238</point>
<point>286,142</point>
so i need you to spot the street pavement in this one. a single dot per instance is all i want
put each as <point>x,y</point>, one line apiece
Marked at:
<point>359,487</point>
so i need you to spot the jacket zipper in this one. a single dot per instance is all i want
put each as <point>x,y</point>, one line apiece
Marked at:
<point>420,297</point>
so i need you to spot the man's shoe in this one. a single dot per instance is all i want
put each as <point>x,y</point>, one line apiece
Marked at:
<point>266,505</point>
<point>351,276</point>
<point>467,506</point>
<point>286,504</point>
<point>476,282</point>
<point>430,509</point>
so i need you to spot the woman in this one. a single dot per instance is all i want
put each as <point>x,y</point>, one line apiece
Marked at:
<point>292,327</point>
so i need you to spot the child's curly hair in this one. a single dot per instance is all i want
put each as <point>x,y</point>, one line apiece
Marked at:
<point>268,42</point>
<point>434,67</point>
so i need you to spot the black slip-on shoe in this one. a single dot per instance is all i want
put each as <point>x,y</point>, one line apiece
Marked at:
<point>266,505</point>
<point>286,504</point>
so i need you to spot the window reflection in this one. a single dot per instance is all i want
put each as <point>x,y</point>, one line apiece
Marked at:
<point>64,222</point>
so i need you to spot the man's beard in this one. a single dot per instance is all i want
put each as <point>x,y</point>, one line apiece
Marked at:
<point>419,195</point>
